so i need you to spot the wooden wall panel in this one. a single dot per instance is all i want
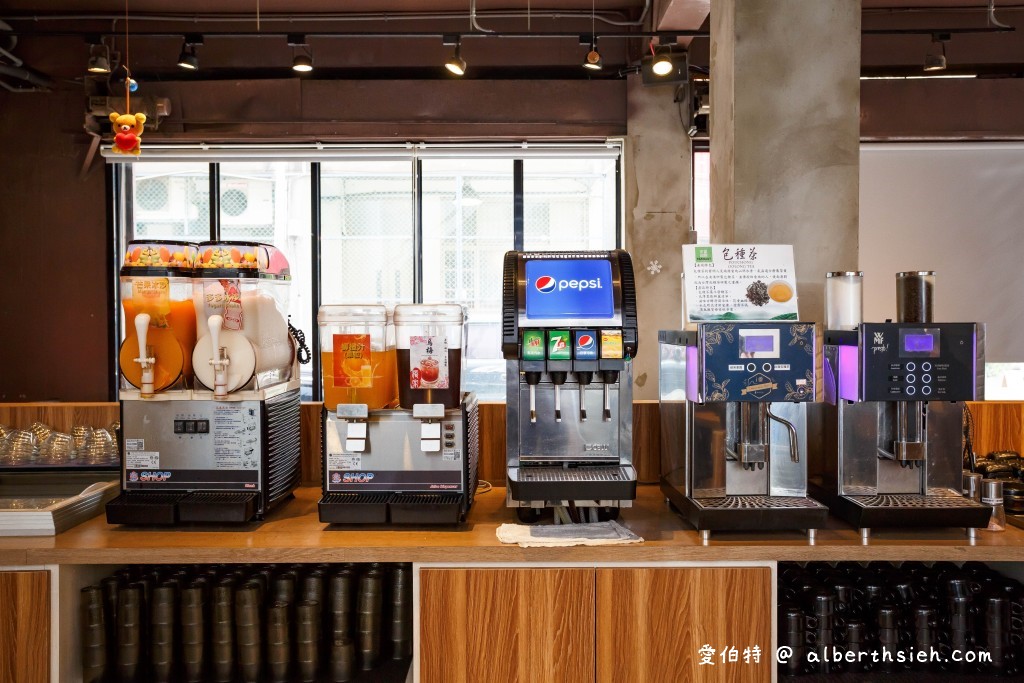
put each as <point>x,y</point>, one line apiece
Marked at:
<point>24,627</point>
<point>506,625</point>
<point>652,623</point>
<point>312,463</point>
<point>60,416</point>
<point>998,426</point>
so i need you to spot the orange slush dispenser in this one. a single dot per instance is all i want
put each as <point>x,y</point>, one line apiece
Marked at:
<point>357,356</point>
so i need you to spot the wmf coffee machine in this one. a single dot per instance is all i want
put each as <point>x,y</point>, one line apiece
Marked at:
<point>740,462</point>
<point>209,384</point>
<point>893,418</point>
<point>400,439</point>
<point>569,332</point>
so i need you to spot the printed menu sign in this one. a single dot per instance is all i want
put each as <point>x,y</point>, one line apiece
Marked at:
<point>352,368</point>
<point>739,282</point>
<point>428,362</point>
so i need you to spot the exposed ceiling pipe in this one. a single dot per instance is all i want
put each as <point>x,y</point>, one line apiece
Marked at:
<point>27,75</point>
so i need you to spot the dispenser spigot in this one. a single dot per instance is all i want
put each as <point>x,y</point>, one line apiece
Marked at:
<point>220,360</point>
<point>557,380</point>
<point>608,377</point>
<point>532,380</point>
<point>145,360</point>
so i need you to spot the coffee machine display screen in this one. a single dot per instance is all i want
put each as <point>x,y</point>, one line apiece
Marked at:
<point>919,343</point>
<point>759,343</point>
<point>571,288</point>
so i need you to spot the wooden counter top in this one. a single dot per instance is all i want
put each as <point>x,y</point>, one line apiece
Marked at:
<point>293,533</point>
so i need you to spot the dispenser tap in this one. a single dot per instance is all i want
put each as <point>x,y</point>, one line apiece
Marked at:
<point>609,377</point>
<point>430,415</point>
<point>557,380</point>
<point>794,449</point>
<point>145,359</point>
<point>584,379</point>
<point>220,360</point>
<point>532,380</point>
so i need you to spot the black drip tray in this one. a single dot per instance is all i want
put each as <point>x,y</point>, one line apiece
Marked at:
<point>354,508</point>
<point>144,508</point>
<point>426,508</point>
<point>217,507</point>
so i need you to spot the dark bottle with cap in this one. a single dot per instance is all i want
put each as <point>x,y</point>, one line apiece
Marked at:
<point>94,635</point>
<point>343,660</point>
<point>926,637</point>
<point>888,638</point>
<point>858,647</point>
<point>791,635</point>
<point>995,638</point>
<point>820,629</point>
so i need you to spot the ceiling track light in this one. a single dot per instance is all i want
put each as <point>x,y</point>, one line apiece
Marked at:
<point>188,59</point>
<point>662,64</point>
<point>302,62</point>
<point>455,64</point>
<point>935,60</point>
<point>99,56</point>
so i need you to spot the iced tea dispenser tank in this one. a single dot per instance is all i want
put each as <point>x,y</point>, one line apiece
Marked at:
<point>399,453</point>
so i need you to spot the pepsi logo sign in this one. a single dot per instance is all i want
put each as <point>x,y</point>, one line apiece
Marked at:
<point>545,284</point>
<point>585,341</point>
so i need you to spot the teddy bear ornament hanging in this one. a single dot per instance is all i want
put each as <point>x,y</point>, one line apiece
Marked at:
<point>127,132</point>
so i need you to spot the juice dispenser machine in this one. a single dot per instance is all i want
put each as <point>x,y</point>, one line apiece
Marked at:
<point>741,461</point>
<point>209,384</point>
<point>894,394</point>
<point>569,335</point>
<point>400,439</point>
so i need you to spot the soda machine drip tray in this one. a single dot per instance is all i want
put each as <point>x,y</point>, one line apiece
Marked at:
<point>538,474</point>
<point>913,501</point>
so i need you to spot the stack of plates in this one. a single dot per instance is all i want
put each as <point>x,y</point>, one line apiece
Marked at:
<point>33,511</point>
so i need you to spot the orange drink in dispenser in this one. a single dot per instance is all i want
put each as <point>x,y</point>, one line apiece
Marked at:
<point>357,357</point>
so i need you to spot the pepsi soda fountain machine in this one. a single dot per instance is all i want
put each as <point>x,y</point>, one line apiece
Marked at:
<point>569,333</point>
<point>893,417</point>
<point>210,384</point>
<point>741,461</point>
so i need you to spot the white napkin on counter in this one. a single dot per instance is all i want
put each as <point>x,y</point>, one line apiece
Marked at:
<point>561,535</point>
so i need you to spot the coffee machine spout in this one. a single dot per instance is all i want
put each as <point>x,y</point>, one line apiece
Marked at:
<point>794,447</point>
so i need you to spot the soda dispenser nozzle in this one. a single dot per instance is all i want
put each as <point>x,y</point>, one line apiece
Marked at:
<point>609,377</point>
<point>532,380</point>
<point>584,379</point>
<point>220,360</point>
<point>145,359</point>
<point>557,380</point>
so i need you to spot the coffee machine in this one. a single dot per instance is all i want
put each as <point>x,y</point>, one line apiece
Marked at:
<point>569,333</point>
<point>734,412</point>
<point>893,416</point>
<point>400,439</point>
<point>209,384</point>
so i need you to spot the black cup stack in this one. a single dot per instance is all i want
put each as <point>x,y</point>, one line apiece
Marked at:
<point>327,623</point>
<point>882,618</point>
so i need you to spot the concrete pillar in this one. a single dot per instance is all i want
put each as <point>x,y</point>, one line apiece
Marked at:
<point>785,132</point>
<point>657,169</point>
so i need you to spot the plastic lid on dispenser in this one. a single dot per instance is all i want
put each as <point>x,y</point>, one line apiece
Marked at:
<point>428,314</point>
<point>241,259</point>
<point>347,314</point>
<point>166,258</point>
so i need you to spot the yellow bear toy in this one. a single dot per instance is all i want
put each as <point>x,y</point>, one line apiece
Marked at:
<point>127,132</point>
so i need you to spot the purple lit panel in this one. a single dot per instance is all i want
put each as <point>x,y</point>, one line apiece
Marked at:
<point>919,343</point>
<point>849,373</point>
<point>692,390</point>
<point>760,343</point>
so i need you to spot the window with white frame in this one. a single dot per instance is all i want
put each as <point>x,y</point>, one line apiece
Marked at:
<point>389,225</point>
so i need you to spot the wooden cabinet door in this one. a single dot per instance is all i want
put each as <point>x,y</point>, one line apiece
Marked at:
<point>652,624</point>
<point>24,627</point>
<point>499,625</point>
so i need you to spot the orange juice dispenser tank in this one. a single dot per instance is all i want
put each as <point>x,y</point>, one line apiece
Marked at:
<point>226,448</point>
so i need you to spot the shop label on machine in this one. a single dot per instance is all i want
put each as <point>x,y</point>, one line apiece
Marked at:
<point>428,362</point>
<point>224,298</point>
<point>152,295</point>
<point>451,454</point>
<point>141,460</point>
<point>344,461</point>
<point>135,444</point>
<point>738,282</point>
<point>352,366</point>
<point>235,437</point>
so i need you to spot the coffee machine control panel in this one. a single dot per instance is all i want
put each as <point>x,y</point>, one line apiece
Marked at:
<point>755,362</point>
<point>918,362</point>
